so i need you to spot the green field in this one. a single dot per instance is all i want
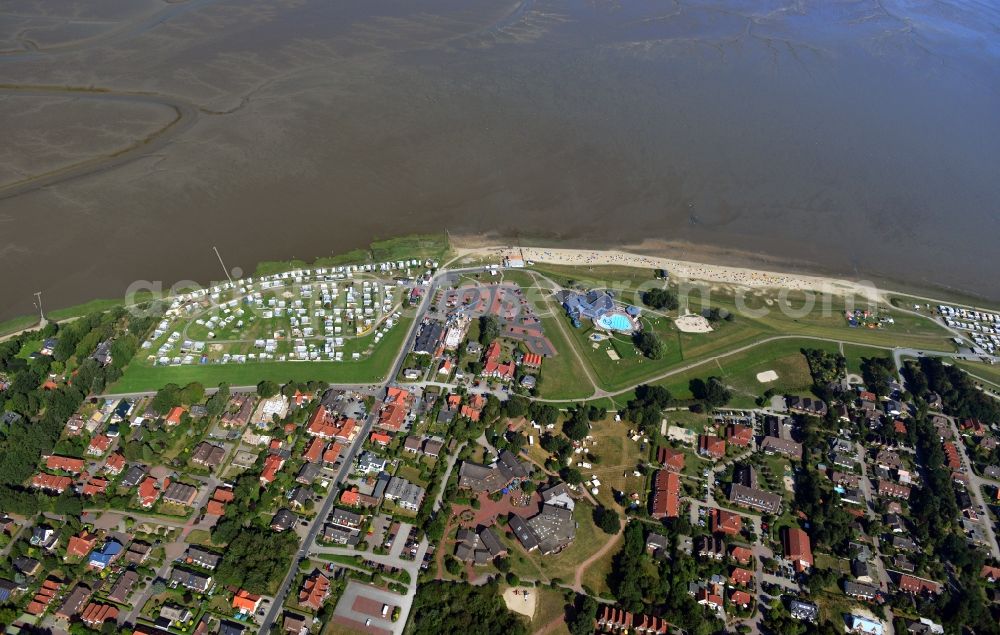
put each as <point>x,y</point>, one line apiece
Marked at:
<point>141,377</point>
<point>739,371</point>
<point>985,372</point>
<point>778,315</point>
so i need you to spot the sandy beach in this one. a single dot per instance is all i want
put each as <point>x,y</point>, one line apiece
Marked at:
<point>681,269</point>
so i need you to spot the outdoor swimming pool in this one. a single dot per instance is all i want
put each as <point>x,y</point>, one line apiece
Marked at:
<point>615,322</point>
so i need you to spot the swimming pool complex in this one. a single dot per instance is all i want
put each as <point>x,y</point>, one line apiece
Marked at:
<point>615,322</point>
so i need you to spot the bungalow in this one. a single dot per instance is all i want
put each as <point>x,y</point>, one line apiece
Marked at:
<point>173,417</point>
<point>246,602</point>
<point>179,493</point>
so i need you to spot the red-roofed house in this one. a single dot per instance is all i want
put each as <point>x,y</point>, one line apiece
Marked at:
<point>51,482</point>
<point>990,573</point>
<point>918,586</point>
<point>246,602</point>
<point>80,545</point>
<point>725,522</point>
<point>96,614</point>
<point>742,577</point>
<point>711,446</point>
<point>741,555</point>
<point>709,599</point>
<point>332,453</point>
<point>65,463</point>
<point>492,367</point>
<point>350,497</point>
<point>666,494</point>
<point>393,413</point>
<point>99,445</point>
<point>115,464</point>
<point>798,548</point>
<point>739,434</point>
<point>380,438</point>
<point>94,487</point>
<point>531,360</point>
<point>474,409</point>
<point>314,451</point>
<point>314,591</point>
<point>272,464</point>
<point>670,458</point>
<point>741,599</point>
<point>148,492</point>
<point>323,425</point>
<point>173,417</point>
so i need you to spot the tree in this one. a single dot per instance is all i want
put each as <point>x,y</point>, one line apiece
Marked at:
<point>648,344</point>
<point>489,329</point>
<point>713,392</point>
<point>584,617</point>
<point>607,520</point>
<point>571,475</point>
<point>660,299</point>
<point>267,389</point>
<point>577,427</point>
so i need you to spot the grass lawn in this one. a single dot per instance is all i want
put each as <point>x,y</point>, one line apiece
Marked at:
<point>29,347</point>
<point>561,379</point>
<point>739,371</point>
<point>29,321</point>
<point>981,371</point>
<point>595,577</point>
<point>140,376</point>
<point>617,455</point>
<point>411,474</point>
<point>200,537</point>
<point>550,604</point>
<point>854,353</point>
